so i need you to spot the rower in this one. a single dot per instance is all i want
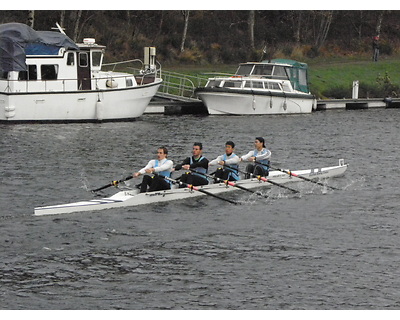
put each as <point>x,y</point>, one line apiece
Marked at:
<point>260,154</point>
<point>229,158</point>
<point>160,167</point>
<point>197,164</point>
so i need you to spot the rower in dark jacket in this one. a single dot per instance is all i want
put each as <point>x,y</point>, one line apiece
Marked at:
<point>196,166</point>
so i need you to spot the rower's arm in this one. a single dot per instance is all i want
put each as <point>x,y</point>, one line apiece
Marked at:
<point>264,156</point>
<point>248,155</point>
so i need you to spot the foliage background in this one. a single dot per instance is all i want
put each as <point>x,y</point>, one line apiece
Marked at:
<point>223,36</point>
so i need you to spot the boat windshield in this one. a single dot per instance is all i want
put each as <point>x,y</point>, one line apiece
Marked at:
<point>263,70</point>
<point>244,69</point>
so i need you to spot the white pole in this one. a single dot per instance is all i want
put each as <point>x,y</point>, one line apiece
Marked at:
<point>355,89</point>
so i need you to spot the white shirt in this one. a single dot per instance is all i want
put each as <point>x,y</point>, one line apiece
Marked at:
<point>163,165</point>
<point>232,159</point>
<point>261,155</point>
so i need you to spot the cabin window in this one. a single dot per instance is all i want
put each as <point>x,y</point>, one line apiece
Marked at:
<point>280,71</point>
<point>262,70</point>
<point>49,71</point>
<point>258,85</point>
<point>274,86</point>
<point>70,59</point>
<point>303,77</point>
<point>129,82</point>
<point>254,84</point>
<point>4,75</point>
<point>245,69</point>
<point>232,84</point>
<point>30,74</point>
<point>83,59</point>
<point>96,58</point>
<point>213,83</point>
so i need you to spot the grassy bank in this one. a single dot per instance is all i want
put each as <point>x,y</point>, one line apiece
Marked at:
<point>333,78</point>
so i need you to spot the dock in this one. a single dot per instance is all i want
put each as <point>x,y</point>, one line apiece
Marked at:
<point>357,104</point>
<point>173,105</point>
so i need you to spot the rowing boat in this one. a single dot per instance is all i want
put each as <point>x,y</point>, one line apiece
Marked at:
<point>132,197</point>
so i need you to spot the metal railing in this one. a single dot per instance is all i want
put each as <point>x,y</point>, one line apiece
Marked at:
<point>180,85</point>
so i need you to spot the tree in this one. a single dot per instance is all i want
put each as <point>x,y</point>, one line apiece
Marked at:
<point>76,30</point>
<point>186,18</point>
<point>379,23</point>
<point>251,20</point>
<point>322,32</point>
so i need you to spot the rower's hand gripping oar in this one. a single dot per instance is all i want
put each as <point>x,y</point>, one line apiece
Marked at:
<point>264,179</point>
<point>231,183</point>
<point>192,187</point>
<point>301,177</point>
<point>112,184</point>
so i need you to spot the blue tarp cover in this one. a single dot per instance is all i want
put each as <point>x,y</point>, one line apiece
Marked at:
<point>17,40</point>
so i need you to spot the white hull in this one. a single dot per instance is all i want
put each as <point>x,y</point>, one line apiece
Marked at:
<point>223,103</point>
<point>109,104</point>
<point>133,198</point>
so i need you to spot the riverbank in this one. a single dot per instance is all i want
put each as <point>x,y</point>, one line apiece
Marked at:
<point>331,77</point>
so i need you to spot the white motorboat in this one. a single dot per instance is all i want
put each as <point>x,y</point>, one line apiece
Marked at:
<point>45,76</point>
<point>279,86</point>
<point>132,197</point>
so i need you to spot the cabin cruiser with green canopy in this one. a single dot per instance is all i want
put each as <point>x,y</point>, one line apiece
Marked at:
<point>278,86</point>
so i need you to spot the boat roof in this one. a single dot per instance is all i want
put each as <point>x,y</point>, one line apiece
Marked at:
<point>288,62</point>
<point>18,40</point>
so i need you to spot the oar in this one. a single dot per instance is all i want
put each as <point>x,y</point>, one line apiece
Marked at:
<point>113,184</point>
<point>192,187</point>
<point>301,177</point>
<point>231,183</point>
<point>264,179</point>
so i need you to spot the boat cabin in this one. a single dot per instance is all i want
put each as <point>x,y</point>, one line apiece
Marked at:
<point>53,63</point>
<point>280,69</point>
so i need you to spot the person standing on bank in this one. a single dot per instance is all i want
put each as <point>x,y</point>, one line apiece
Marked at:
<point>229,172</point>
<point>160,167</point>
<point>260,154</point>
<point>375,48</point>
<point>197,164</point>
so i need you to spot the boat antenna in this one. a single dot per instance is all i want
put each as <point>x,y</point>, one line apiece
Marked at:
<point>59,28</point>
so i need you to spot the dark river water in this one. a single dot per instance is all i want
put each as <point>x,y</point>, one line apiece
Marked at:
<point>317,250</point>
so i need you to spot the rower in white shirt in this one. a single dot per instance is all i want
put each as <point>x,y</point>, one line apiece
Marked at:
<point>162,167</point>
<point>261,155</point>
<point>229,162</point>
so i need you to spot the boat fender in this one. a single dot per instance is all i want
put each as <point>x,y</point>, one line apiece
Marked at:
<point>99,110</point>
<point>284,105</point>
<point>110,83</point>
<point>9,111</point>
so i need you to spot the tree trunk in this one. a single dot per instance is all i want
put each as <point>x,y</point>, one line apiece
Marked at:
<point>325,24</point>
<point>379,23</point>
<point>76,31</point>
<point>297,19</point>
<point>251,28</point>
<point>62,18</point>
<point>31,18</point>
<point>186,17</point>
